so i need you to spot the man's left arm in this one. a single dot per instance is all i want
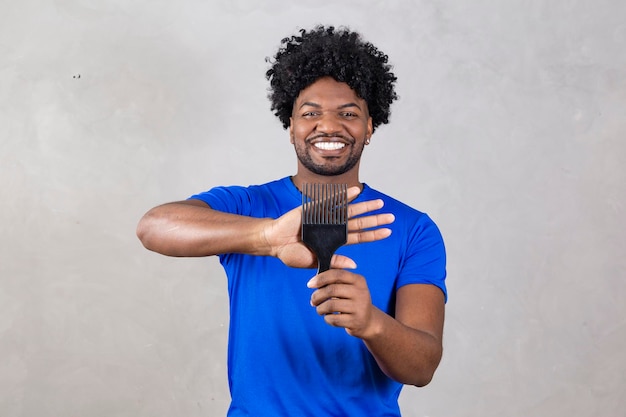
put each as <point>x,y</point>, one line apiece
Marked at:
<point>407,347</point>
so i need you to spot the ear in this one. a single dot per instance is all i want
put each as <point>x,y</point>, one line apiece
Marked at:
<point>291,138</point>
<point>370,128</point>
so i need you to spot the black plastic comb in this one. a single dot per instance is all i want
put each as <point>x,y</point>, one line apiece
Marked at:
<point>324,220</point>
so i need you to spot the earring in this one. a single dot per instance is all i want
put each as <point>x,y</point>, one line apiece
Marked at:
<point>367,141</point>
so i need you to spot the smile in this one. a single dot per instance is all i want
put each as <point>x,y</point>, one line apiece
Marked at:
<point>329,146</point>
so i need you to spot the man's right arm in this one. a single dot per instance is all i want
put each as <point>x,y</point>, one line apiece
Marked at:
<point>192,228</point>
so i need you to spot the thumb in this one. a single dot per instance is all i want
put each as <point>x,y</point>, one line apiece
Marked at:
<point>353,192</point>
<point>342,262</point>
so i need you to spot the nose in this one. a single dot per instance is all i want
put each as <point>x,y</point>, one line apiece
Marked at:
<point>328,124</point>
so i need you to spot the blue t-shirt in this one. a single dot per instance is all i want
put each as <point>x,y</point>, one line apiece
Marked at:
<point>283,359</point>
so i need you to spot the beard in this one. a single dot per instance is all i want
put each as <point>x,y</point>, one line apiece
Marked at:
<point>328,168</point>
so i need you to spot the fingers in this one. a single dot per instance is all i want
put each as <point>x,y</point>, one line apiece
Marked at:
<point>353,192</point>
<point>368,236</point>
<point>342,262</point>
<point>334,297</point>
<point>334,276</point>
<point>343,299</point>
<point>335,306</point>
<point>357,209</point>
<point>367,228</point>
<point>367,222</point>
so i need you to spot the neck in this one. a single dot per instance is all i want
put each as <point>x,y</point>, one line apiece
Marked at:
<point>351,180</point>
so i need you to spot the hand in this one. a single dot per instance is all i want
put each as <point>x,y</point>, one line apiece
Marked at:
<point>343,299</point>
<point>283,234</point>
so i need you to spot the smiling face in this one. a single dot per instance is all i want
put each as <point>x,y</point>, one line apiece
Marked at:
<point>329,127</point>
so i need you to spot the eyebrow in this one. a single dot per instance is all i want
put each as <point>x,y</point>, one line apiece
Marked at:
<point>343,106</point>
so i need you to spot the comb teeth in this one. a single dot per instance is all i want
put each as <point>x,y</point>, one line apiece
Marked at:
<point>325,204</point>
<point>324,220</point>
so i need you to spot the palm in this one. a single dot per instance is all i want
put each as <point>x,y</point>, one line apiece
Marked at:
<point>283,234</point>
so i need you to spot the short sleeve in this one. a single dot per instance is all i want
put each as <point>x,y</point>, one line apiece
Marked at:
<point>232,199</point>
<point>425,260</point>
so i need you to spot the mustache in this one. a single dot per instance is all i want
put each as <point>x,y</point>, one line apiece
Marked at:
<point>327,135</point>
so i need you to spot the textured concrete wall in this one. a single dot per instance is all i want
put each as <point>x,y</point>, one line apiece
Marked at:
<point>510,132</point>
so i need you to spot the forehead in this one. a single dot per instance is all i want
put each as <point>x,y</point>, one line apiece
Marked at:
<point>328,91</point>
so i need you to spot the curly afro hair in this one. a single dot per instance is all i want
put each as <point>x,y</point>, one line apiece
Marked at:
<point>340,54</point>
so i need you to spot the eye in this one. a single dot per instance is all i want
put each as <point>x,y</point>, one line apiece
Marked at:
<point>309,114</point>
<point>349,115</point>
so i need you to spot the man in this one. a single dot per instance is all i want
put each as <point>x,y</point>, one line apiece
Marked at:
<point>344,342</point>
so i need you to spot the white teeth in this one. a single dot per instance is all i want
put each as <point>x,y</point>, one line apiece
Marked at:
<point>329,146</point>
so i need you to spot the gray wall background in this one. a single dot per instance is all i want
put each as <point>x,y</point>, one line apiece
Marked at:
<point>510,133</point>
